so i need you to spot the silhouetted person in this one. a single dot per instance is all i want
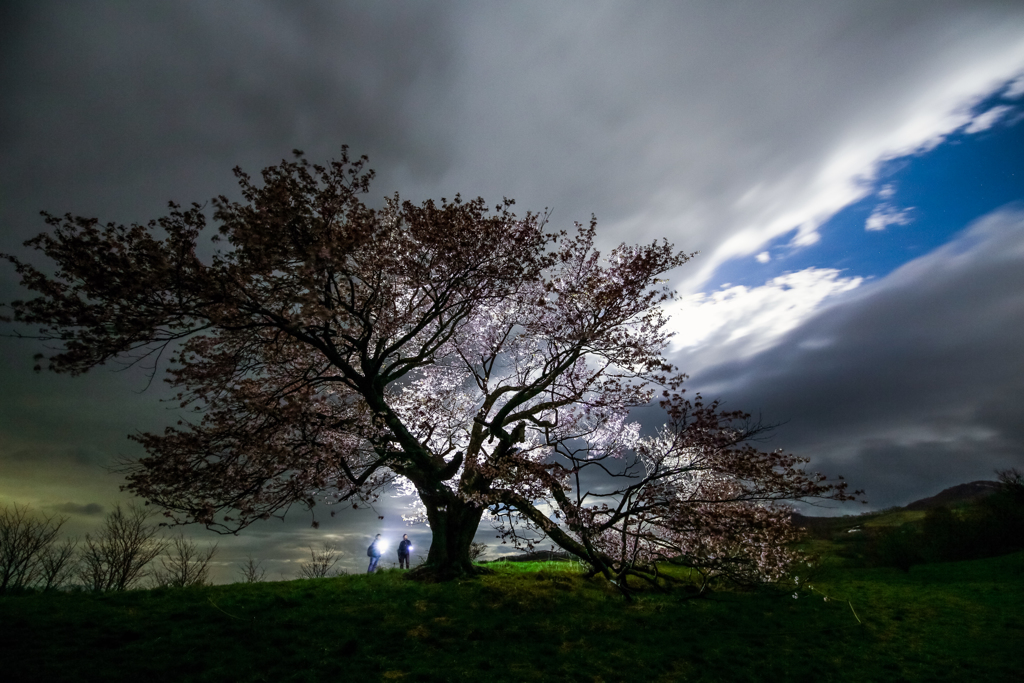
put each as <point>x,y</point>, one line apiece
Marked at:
<point>403,552</point>
<point>373,552</point>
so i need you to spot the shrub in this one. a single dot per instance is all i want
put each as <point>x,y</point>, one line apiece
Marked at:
<point>898,547</point>
<point>185,565</point>
<point>27,549</point>
<point>117,556</point>
<point>322,563</point>
<point>252,570</point>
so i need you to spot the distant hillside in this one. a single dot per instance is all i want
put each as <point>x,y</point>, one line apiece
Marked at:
<point>956,494</point>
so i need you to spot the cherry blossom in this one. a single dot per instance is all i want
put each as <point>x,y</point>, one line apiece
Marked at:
<point>328,352</point>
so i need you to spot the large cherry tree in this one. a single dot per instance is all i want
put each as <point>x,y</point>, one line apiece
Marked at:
<point>324,352</point>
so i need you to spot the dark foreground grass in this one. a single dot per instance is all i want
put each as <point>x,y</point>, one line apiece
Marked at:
<point>941,622</point>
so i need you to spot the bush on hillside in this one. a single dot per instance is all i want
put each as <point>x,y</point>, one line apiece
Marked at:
<point>991,527</point>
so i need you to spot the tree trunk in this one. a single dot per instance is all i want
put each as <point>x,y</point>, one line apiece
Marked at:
<point>453,524</point>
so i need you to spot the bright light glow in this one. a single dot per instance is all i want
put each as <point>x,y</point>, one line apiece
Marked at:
<point>738,321</point>
<point>382,545</point>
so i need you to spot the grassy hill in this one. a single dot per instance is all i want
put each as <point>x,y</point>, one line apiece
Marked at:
<point>969,521</point>
<point>532,622</point>
<point>959,496</point>
<point>876,605</point>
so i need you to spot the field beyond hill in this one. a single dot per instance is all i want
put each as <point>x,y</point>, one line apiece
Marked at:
<point>954,621</point>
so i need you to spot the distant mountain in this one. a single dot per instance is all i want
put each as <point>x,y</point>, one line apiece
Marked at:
<point>956,494</point>
<point>961,493</point>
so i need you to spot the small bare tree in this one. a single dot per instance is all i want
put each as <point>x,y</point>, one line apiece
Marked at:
<point>116,558</point>
<point>185,564</point>
<point>476,550</point>
<point>57,564</point>
<point>24,540</point>
<point>323,561</point>
<point>253,570</point>
<point>1012,481</point>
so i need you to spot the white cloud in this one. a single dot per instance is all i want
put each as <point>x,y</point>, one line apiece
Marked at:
<point>987,119</point>
<point>1015,89</point>
<point>886,214</point>
<point>736,321</point>
<point>763,257</point>
<point>805,238</point>
<point>914,381</point>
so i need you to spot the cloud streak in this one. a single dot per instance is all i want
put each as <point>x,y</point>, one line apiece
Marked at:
<point>913,383</point>
<point>737,322</point>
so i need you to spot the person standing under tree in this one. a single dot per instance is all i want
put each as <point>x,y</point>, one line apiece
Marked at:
<point>373,552</point>
<point>403,552</point>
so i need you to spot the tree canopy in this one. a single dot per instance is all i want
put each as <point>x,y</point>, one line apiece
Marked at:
<point>326,352</point>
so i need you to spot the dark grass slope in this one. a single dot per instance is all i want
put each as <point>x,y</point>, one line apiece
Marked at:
<point>532,622</point>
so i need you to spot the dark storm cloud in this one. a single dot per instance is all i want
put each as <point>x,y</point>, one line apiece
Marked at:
<point>77,455</point>
<point>118,108</point>
<point>87,509</point>
<point>911,384</point>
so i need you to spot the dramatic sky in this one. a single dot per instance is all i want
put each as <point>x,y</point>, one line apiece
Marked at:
<point>850,172</point>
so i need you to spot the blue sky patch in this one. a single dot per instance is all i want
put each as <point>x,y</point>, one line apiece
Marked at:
<point>919,202</point>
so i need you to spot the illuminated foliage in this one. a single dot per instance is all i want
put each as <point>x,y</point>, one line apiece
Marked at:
<point>696,494</point>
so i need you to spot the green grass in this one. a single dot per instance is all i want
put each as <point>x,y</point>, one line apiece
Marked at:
<point>532,622</point>
<point>895,518</point>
